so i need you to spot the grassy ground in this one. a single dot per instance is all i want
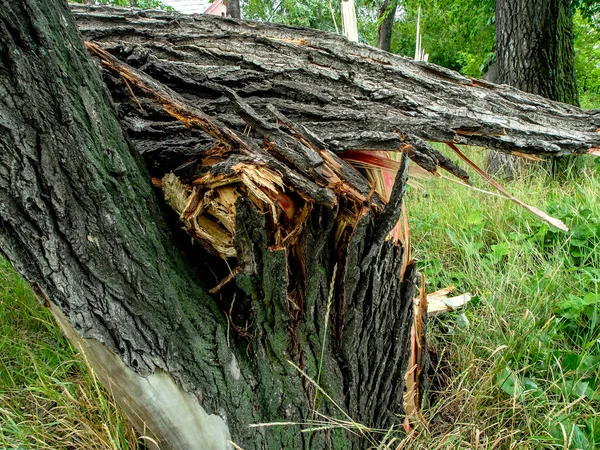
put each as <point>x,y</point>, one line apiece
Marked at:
<point>519,369</point>
<point>48,398</point>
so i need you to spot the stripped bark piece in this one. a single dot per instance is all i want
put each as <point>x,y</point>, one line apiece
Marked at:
<point>406,242</point>
<point>440,301</point>
<point>445,304</point>
<point>526,156</point>
<point>226,280</point>
<point>542,215</point>
<point>420,317</point>
<point>412,396</point>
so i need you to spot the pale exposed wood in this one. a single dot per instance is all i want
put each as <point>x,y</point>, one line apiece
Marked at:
<point>158,407</point>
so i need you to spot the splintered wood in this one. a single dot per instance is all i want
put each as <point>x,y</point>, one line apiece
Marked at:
<point>283,175</point>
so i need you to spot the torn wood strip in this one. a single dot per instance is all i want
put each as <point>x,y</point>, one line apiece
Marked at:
<point>391,213</point>
<point>440,301</point>
<point>412,396</point>
<point>226,280</point>
<point>542,215</point>
<point>349,178</point>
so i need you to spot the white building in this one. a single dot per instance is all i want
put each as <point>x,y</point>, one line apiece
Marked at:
<point>197,6</point>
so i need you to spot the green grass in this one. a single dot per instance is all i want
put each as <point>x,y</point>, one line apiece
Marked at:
<point>48,397</point>
<point>523,373</point>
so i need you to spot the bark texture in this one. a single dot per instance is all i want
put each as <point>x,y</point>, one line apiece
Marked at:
<point>535,53</point>
<point>387,13</point>
<point>351,95</point>
<point>535,49</point>
<point>233,9</point>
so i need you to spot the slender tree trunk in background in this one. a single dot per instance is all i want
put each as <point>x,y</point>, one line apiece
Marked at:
<point>233,9</point>
<point>387,13</point>
<point>133,3</point>
<point>535,53</point>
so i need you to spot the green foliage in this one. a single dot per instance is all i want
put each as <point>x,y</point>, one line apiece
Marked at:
<point>456,34</point>
<point>309,13</point>
<point>590,10</point>
<point>587,62</point>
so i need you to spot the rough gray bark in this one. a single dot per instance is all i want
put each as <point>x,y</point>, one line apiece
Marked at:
<point>233,9</point>
<point>79,221</point>
<point>351,95</point>
<point>535,53</point>
<point>387,13</point>
<point>534,44</point>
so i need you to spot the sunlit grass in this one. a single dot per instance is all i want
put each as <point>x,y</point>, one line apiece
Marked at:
<point>48,397</point>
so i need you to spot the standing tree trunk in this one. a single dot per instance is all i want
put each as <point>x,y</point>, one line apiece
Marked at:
<point>387,13</point>
<point>233,9</point>
<point>241,126</point>
<point>535,53</point>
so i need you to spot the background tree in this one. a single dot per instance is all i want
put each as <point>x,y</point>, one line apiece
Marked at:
<point>534,53</point>
<point>387,14</point>
<point>233,9</point>
<point>535,47</point>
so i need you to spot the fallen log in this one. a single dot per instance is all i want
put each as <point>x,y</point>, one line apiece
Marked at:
<point>351,95</point>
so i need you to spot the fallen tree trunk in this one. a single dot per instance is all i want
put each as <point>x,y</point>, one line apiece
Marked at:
<point>351,95</point>
<point>243,127</point>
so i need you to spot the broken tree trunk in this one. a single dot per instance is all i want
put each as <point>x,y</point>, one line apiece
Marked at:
<point>243,128</point>
<point>78,220</point>
<point>352,96</point>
